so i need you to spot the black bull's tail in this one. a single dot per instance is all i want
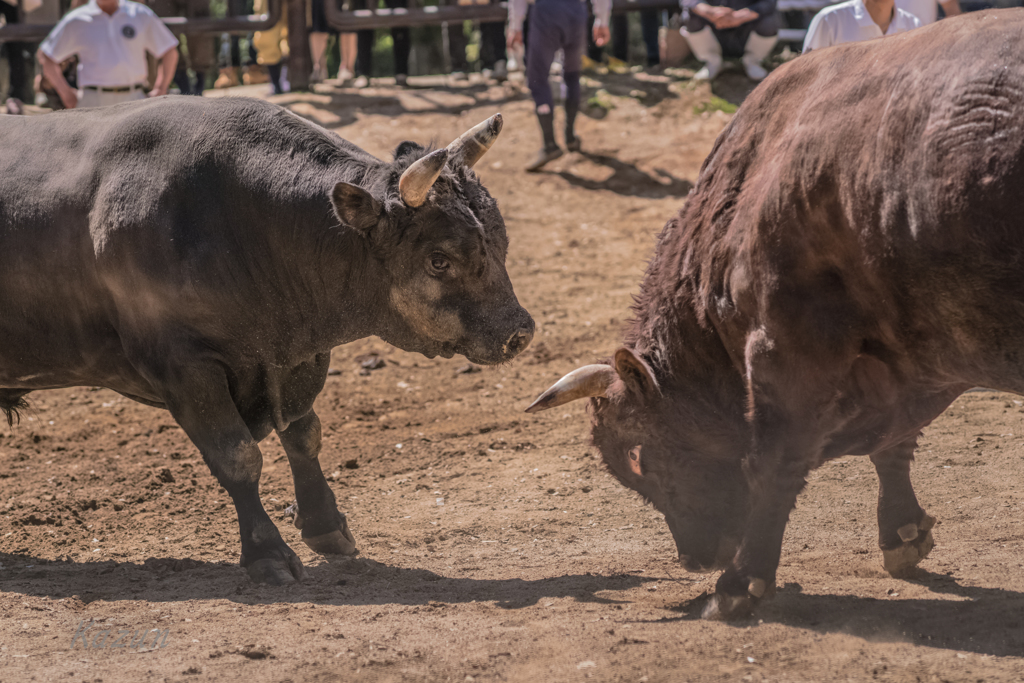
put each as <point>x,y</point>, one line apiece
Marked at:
<point>10,403</point>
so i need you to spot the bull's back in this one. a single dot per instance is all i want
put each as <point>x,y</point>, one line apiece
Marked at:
<point>103,215</point>
<point>887,175</point>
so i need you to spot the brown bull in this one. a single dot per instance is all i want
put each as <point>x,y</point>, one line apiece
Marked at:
<point>850,261</point>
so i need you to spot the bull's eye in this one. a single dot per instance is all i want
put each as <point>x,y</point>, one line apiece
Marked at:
<point>634,461</point>
<point>439,263</point>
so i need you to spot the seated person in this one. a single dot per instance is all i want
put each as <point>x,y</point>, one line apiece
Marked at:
<point>856,20</point>
<point>733,28</point>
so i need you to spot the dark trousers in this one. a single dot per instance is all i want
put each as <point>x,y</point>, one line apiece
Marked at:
<point>492,43</point>
<point>237,8</point>
<point>554,25</point>
<point>19,59</point>
<point>457,46</point>
<point>364,42</point>
<point>734,40</point>
<point>650,22</point>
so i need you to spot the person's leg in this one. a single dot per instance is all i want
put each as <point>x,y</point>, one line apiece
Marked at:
<point>575,42</point>
<point>650,22</point>
<point>318,51</point>
<point>275,77</point>
<point>763,35</point>
<point>181,80</point>
<point>457,47</point>
<point>545,40</point>
<point>402,45</point>
<point>620,36</point>
<point>703,42</point>
<point>364,49</point>
<point>347,48</point>
<point>492,44</point>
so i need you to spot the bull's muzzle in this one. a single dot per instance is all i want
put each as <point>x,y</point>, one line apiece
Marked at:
<point>723,557</point>
<point>518,342</point>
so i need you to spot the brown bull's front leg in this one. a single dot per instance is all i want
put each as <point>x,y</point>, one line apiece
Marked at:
<point>199,398</point>
<point>324,528</point>
<point>904,528</point>
<point>750,577</point>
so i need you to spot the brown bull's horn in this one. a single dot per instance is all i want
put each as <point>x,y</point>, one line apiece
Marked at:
<point>590,380</point>
<point>475,142</point>
<point>417,180</point>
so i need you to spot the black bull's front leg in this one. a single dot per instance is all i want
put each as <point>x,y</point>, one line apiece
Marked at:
<point>199,398</point>
<point>324,528</point>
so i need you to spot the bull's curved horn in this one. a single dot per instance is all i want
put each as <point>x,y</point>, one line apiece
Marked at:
<point>417,180</point>
<point>590,380</point>
<point>476,141</point>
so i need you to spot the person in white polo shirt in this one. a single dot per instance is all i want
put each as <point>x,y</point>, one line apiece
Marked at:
<point>111,39</point>
<point>856,20</point>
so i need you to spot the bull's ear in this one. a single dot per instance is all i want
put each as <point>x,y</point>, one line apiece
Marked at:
<point>635,373</point>
<point>355,207</point>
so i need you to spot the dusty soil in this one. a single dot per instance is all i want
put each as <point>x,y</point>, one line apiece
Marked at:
<point>494,546</point>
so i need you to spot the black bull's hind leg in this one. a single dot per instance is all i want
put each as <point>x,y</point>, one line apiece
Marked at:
<point>904,528</point>
<point>324,528</point>
<point>200,401</point>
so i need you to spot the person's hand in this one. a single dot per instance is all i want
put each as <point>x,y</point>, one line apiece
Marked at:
<point>743,16</point>
<point>68,97</point>
<point>515,39</point>
<point>712,13</point>
<point>602,34</point>
<point>157,91</point>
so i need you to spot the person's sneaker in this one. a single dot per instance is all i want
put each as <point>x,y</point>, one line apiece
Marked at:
<point>755,71</point>
<point>361,82</point>
<point>228,78</point>
<point>500,72</point>
<point>572,144</point>
<point>14,106</point>
<point>254,75</point>
<point>344,76</point>
<point>708,72</point>
<point>401,80</point>
<point>543,157</point>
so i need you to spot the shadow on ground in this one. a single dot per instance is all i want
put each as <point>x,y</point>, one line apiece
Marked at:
<point>628,180</point>
<point>975,622</point>
<point>345,581</point>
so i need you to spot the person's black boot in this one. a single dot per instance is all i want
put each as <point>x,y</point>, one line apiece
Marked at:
<point>551,149</point>
<point>572,106</point>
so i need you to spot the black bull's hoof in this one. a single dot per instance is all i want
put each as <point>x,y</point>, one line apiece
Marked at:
<point>338,541</point>
<point>728,604</point>
<point>276,571</point>
<point>333,543</point>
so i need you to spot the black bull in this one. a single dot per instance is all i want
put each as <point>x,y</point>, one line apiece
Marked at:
<point>184,253</point>
<point>850,260</point>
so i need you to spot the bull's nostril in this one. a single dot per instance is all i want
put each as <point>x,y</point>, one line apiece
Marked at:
<point>518,341</point>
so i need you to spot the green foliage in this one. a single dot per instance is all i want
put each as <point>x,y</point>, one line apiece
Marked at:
<point>715,104</point>
<point>601,100</point>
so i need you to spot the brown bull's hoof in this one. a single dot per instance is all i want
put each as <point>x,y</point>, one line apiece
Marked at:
<point>334,543</point>
<point>275,571</point>
<point>725,607</point>
<point>917,543</point>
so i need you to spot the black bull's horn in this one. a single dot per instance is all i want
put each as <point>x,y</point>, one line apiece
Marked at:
<point>590,380</point>
<point>417,180</point>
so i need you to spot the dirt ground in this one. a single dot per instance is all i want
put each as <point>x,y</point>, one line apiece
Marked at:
<point>493,544</point>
